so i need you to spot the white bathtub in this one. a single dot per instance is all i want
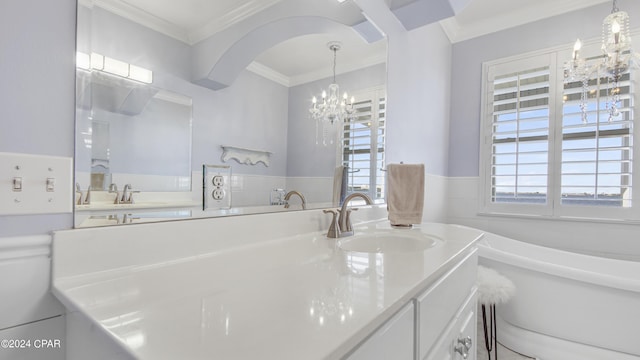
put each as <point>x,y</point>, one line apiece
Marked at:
<point>567,306</point>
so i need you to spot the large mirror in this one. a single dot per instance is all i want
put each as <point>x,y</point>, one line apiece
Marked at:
<point>165,92</point>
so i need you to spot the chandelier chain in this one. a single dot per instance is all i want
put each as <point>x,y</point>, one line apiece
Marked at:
<point>335,50</point>
<point>615,7</point>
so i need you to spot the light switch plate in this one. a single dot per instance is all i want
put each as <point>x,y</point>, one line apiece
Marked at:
<point>216,187</point>
<point>35,184</point>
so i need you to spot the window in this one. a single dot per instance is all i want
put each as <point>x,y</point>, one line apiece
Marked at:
<point>546,151</point>
<point>363,145</point>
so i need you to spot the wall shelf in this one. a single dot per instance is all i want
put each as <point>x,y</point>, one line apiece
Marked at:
<point>245,156</point>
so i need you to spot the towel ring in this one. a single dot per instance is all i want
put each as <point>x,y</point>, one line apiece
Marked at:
<point>401,163</point>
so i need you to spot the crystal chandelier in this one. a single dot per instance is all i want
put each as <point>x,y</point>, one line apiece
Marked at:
<point>332,109</point>
<point>617,57</point>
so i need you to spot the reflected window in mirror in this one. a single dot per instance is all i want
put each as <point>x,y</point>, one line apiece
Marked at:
<point>363,145</point>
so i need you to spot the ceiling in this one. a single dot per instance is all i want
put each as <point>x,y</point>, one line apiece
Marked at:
<point>307,58</point>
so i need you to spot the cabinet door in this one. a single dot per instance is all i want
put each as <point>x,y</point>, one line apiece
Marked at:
<point>394,340</point>
<point>462,326</point>
<point>439,305</point>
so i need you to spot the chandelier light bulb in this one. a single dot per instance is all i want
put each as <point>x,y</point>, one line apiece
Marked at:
<point>615,29</point>
<point>576,49</point>
<point>578,45</point>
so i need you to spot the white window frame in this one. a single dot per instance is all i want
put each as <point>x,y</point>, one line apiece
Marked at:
<point>554,58</point>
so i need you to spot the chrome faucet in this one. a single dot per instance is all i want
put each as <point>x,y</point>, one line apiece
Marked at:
<point>294,192</point>
<point>342,227</point>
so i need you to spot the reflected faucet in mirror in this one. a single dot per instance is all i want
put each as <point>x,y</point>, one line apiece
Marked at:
<point>127,195</point>
<point>342,227</point>
<point>83,200</point>
<point>113,188</point>
<point>294,192</point>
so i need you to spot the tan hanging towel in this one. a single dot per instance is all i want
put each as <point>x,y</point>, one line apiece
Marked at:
<point>405,197</point>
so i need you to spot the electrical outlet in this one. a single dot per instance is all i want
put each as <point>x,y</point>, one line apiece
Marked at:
<point>216,187</point>
<point>218,181</point>
<point>218,194</point>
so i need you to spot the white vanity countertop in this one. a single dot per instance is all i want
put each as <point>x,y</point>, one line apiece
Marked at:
<point>300,297</point>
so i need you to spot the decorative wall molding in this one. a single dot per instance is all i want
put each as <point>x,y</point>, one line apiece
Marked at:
<point>19,247</point>
<point>245,156</point>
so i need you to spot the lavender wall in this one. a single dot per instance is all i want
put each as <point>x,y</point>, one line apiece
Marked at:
<point>251,113</point>
<point>468,56</point>
<point>418,103</point>
<point>304,157</point>
<point>37,72</point>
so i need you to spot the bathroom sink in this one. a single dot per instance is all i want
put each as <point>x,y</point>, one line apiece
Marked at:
<point>388,242</point>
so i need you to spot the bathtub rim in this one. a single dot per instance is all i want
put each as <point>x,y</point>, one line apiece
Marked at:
<point>616,281</point>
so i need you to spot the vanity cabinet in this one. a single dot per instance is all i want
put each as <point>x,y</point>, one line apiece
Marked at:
<point>394,340</point>
<point>402,305</point>
<point>438,324</point>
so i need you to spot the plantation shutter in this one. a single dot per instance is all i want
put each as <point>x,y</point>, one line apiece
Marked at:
<point>597,148</point>
<point>520,136</point>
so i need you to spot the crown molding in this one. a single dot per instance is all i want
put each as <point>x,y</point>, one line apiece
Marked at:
<point>268,73</point>
<point>215,25</point>
<point>230,18</point>
<point>501,21</point>
<point>141,17</point>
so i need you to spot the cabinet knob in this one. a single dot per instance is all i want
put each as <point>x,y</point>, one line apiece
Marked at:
<point>464,349</point>
<point>466,342</point>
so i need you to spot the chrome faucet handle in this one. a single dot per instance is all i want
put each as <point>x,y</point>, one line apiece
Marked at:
<point>131,192</point>
<point>126,191</point>
<point>348,219</point>
<point>113,188</point>
<point>79,191</point>
<point>334,230</point>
